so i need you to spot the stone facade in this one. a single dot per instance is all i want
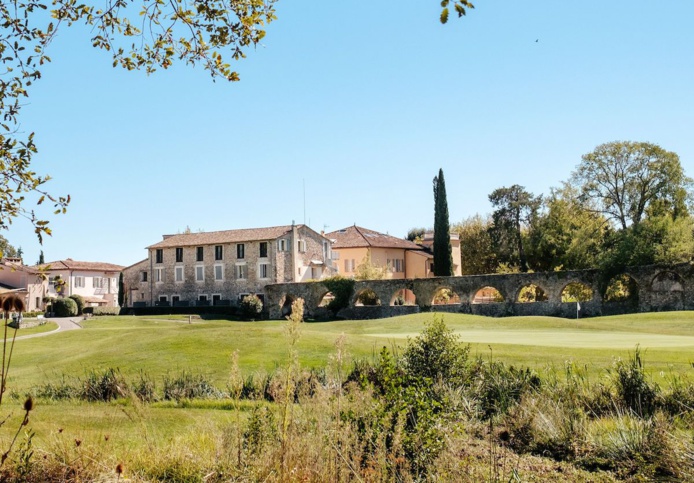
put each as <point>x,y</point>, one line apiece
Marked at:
<point>219,268</point>
<point>658,288</point>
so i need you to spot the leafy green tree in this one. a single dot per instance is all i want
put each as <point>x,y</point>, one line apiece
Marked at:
<point>416,234</point>
<point>443,253</point>
<point>629,178</point>
<point>6,250</point>
<point>516,209</point>
<point>568,234</point>
<point>367,270</point>
<point>148,36</point>
<point>42,260</point>
<point>477,255</point>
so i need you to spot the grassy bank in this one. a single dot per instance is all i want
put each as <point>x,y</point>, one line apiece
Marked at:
<point>161,346</point>
<point>579,414</point>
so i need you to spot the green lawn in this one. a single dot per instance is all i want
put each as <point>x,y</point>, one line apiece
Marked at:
<point>160,345</point>
<point>125,430</point>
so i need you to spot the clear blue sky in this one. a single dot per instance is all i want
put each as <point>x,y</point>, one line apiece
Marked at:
<point>363,102</point>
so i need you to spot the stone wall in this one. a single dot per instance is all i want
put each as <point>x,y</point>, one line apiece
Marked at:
<point>658,288</point>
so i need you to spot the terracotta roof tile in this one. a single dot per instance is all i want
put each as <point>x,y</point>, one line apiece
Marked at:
<point>226,236</point>
<point>70,264</point>
<point>358,237</point>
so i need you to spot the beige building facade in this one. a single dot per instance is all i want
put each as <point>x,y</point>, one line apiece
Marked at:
<point>25,282</point>
<point>402,258</point>
<point>95,282</point>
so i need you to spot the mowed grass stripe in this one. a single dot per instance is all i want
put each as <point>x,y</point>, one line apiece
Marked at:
<point>565,338</point>
<point>160,347</point>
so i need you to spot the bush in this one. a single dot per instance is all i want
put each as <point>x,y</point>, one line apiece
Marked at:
<point>104,386</point>
<point>189,386</point>
<point>437,354</point>
<point>635,392</point>
<point>64,307</point>
<point>79,300</point>
<point>31,315</point>
<point>106,310</point>
<point>251,307</point>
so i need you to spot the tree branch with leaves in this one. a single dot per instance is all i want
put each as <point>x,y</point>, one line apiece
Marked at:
<point>146,35</point>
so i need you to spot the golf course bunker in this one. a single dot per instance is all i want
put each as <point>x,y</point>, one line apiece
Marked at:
<point>565,338</point>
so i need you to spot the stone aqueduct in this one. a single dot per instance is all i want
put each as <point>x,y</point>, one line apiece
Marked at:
<point>657,288</point>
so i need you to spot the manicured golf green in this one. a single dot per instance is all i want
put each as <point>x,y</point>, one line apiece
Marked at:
<point>161,346</point>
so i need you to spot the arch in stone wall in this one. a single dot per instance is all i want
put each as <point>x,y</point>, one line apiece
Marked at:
<point>366,297</point>
<point>667,291</point>
<point>622,288</point>
<point>445,296</point>
<point>487,295</point>
<point>576,291</point>
<point>325,299</point>
<point>667,281</point>
<point>285,304</point>
<point>531,293</point>
<point>404,296</point>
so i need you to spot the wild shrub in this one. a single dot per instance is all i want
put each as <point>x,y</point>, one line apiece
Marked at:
<point>261,429</point>
<point>64,307</point>
<point>412,402</point>
<point>679,399</point>
<point>543,426</point>
<point>633,388</point>
<point>640,449</point>
<point>437,355</point>
<point>189,386</point>
<point>251,307</point>
<point>57,391</point>
<point>79,301</point>
<point>498,387</point>
<point>103,385</point>
<point>145,388</point>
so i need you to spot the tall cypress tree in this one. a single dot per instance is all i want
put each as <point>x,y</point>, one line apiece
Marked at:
<point>121,291</point>
<point>443,253</point>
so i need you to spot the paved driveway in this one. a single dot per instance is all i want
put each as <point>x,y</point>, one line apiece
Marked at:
<point>64,323</point>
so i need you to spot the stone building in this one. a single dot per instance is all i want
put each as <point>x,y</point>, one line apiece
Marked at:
<point>221,267</point>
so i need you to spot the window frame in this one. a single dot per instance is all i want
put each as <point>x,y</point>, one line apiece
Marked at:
<point>199,254</point>
<point>219,266</point>
<point>241,269</point>
<point>262,249</point>
<point>179,254</point>
<point>179,269</point>
<point>240,251</point>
